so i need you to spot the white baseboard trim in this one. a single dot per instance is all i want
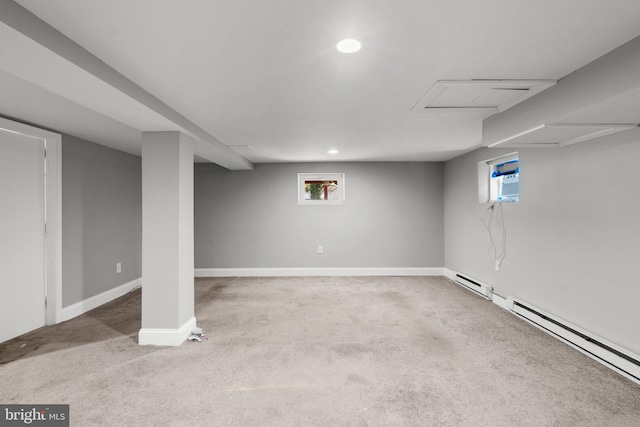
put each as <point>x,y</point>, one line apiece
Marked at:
<point>292,272</point>
<point>88,304</point>
<point>495,298</point>
<point>449,274</point>
<point>166,337</point>
<point>501,302</point>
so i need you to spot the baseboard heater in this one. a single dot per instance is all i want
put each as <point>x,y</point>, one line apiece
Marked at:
<point>619,359</point>
<point>481,289</point>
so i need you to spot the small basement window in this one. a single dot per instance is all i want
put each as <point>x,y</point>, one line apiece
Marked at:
<point>499,179</point>
<point>320,188</point>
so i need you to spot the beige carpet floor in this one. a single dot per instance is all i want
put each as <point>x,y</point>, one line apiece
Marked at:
<point>323,351</point>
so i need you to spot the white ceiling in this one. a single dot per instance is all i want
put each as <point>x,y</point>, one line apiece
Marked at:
<point>267,74</point>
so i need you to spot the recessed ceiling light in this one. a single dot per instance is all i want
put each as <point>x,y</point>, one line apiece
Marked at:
<point>349,46</point>
<point>334,151</point>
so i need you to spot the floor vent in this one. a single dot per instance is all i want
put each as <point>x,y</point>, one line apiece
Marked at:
<point>620,360</point>
<point>485,291</point>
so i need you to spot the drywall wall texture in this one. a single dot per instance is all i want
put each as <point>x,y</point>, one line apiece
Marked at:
<point>392,217</point>
<point>101,219</point>
<point>167,246</point>
<point>572,240</point>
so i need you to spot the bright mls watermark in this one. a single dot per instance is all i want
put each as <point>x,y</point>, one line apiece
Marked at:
<point>35,415</point>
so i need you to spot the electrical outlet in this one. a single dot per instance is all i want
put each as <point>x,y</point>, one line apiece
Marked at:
<point>119,267</point>
<point>320,249</point>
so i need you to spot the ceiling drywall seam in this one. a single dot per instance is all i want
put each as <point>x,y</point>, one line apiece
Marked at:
<point>28,24</point>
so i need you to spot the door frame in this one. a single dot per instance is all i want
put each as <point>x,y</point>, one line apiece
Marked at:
<point>53,213</point>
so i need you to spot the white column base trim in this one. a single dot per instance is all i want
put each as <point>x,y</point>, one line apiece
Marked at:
<point>88,304</point>
<point>292,272</point>
<point>173,337</point>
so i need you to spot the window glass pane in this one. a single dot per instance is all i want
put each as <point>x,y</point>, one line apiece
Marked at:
<point>320,188</point>
<point>505,181</point>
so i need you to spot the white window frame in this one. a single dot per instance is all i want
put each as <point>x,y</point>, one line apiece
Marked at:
<point>314,176</point>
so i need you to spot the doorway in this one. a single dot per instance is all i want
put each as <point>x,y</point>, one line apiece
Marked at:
<point>29,228</point>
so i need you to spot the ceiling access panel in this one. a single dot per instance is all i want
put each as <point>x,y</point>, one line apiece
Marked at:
<point>488,96</point>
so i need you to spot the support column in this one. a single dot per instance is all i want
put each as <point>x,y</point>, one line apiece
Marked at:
<point>167,238</point>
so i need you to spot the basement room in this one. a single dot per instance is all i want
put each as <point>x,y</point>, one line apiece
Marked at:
<point>336,213</point>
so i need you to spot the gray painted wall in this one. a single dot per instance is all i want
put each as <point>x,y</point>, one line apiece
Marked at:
<point>101,219</point>
<point>573,240</point>
<point>392,217</point>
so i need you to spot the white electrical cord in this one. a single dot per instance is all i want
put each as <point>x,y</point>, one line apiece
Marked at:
<point>500,223</point>
<point>487,225</point>
<point>495,257</point>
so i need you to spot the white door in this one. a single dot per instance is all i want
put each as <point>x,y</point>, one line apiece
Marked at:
<point>22,245</point>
